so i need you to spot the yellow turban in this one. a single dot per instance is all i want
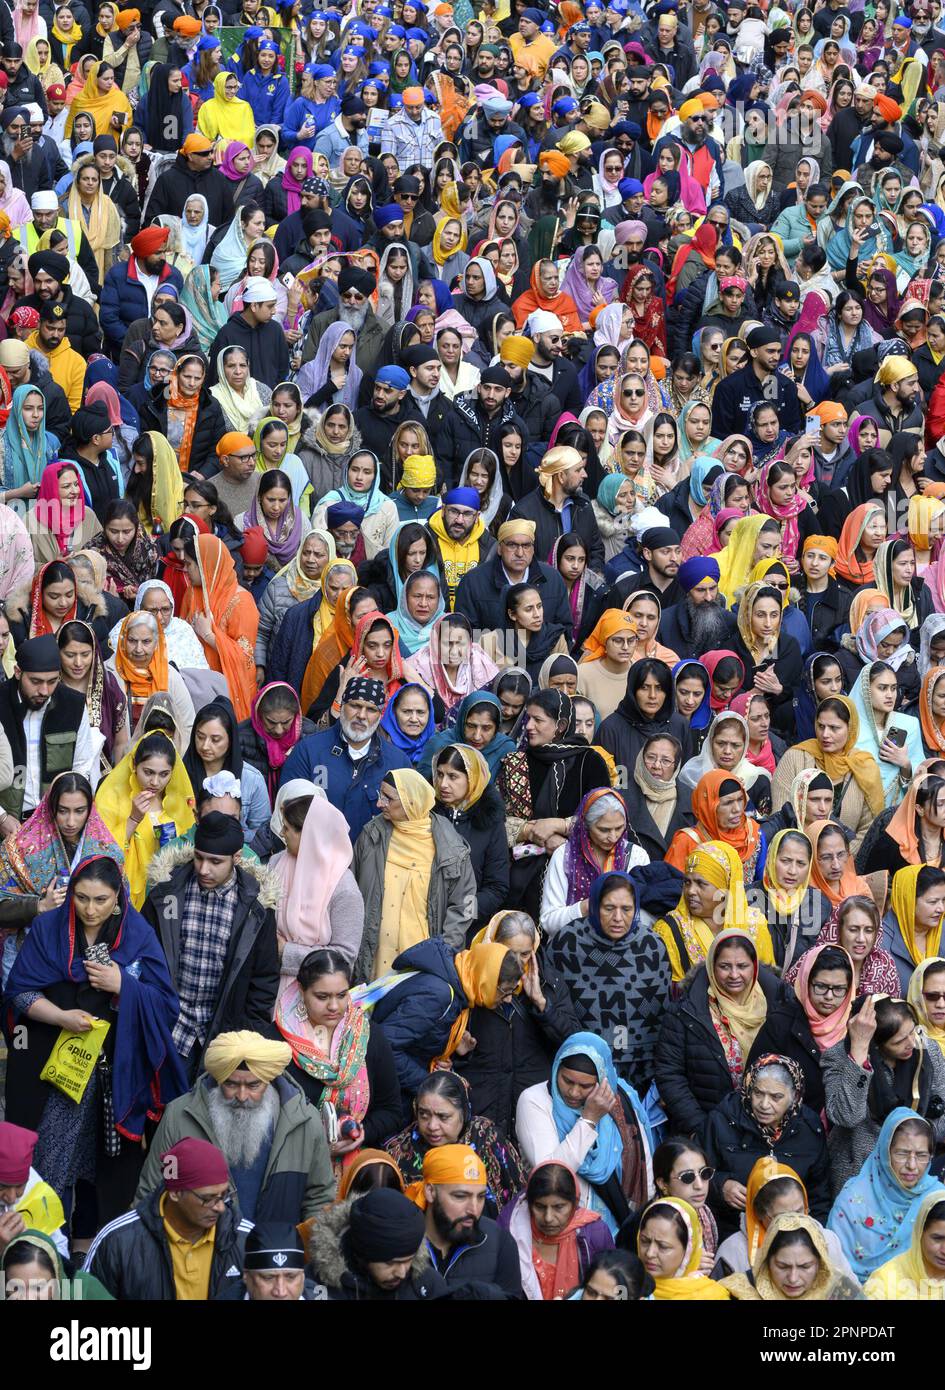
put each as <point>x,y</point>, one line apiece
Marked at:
<point>450,1163</point>
<point>692,107</point>
<point>228,1051</point>
<point>597,117</point>
<point>557,460</point>
<point>419,471</point>
<point>574,142</point>
<point>516,526</point>
<point>517,350</point>
<point>892,369</point>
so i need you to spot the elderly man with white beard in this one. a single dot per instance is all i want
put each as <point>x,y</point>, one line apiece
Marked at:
<point>273,1140</point>
<point>355,286</point>
<point>700,622</point>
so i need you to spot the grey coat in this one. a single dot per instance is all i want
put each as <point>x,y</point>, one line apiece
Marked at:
<point>451,902</point>
<point>854,1131</point>
<point>298,1180</point>
<point>273,606</point>
<point>327,471</point>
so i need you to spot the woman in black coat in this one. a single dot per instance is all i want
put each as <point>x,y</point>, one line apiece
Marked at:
<point>516,1042</point>
<point>651,783</point>
<point>760,631</point>
<point>210,425</point>
<point>765,1118</point>
<point>466,798</point>
<point>691,1067</point>
<point>648,708</point>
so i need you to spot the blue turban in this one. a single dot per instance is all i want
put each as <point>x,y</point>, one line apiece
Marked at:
<point>206,42</point>
<point>393,376</point>
<point>397,31</point>
<point>529,99</point>
<point>495,106</point>
<point>903,21</point>
<point>463,497</point>
<point>321,71</point>
<point>629,188</point>
<point>340,513</point>
<point>419,34</point>
<point>536,16</point>
<point>692,572</point>
<point>390,212</point>
<point>563,105</point>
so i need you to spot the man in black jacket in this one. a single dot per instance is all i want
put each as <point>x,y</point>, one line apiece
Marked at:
<point>50,271</point>
<point>558,505</point>
<point>425,402</point>
<point>378,421</point>
<point>252,329</point>
<point>22,85</point>
<point>192,172</point>
<point>29,168</point>
<point>475,420</point>
<point>479,596</point>
<point>698,622</point>
<point>159,1249</point>
<point>532,396</point>
<point>548,361</point>
<point>202,894</point>
<point>374,1250</point>
<point>735,395</point>
<point>466,1246</point>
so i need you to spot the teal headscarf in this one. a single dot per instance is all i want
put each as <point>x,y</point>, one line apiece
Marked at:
<point>610,485</point>
<point>412,634</point>
<point>369,501</point>
<point>494,751</point>
<point>25,455</point>
<point>699,469</point>
<point>396,581</point>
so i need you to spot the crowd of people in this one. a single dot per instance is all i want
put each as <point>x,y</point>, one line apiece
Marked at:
<point>472,618</point>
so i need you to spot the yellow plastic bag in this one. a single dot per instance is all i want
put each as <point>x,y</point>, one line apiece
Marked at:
<point>73,1059</point>
<point>41,1209</point>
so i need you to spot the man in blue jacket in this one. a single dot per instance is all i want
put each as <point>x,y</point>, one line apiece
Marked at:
<point>350,760</point>
<point>130,286</point>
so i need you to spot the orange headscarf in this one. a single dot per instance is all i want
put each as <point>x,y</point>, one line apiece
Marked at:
<point>827,544</point>
<point>705,805</point>
<point>142,684</point>
<point>848,566</point>
<point>394,674</point>
<point>219,597</point>
<point>850,884</point>
<point>613,621</point>
<point>864,601</point>
<point>187,407</point>
<point>901,829</point>
<point>365,1159</point>
<point>932,731</point>
<point>764,1171</point>
<point>39,622</point>
<point>335,644</point>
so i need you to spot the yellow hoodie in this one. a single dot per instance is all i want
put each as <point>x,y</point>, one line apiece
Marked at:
<point>458,556</point>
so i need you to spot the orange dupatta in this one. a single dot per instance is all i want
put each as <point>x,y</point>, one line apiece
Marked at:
<point>557,1280</point>
<point>187,406</point>
<point>851,885</point>
<point>764,1171</point>
<point>848,566</point>
<point>142,684</point>
<point>932,731</point>
<point>336,641</point>
<point>234,618</point>
<point>394,673</point>
<point>705,805</point>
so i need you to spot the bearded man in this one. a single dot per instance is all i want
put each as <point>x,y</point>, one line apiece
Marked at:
<point>355,286</point>
<point>700,622</point>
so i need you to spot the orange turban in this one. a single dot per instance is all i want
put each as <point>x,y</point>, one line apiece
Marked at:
<point>126,18</point>
<point>185,25</point>
<point>612,622</point>
<point>825,543</point>
<point>450,1163</point>
<point>232,441</point>
<point>692,107</point>
<point>815,99</point>
<point>889,110</point>
<point>828,411</point>
<point>555,163</point>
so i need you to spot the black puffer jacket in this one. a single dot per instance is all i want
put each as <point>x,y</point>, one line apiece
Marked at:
<point>691,1070</point>
<point>787,1032</point>
<point>483,829</point>
<point>515,1047</point>
<point>733,1143</point>
<point>208,430</point>
<point>132,1258</point>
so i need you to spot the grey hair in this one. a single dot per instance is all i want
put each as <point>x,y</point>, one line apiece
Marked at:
<point>514,923</point>
<point>780,1073</point>
<point>604,806</point>
<point>142,618</point>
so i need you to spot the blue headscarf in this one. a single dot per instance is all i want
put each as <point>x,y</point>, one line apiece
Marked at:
<point>588,376</point>
<point>494,751</point>
<point>805,701</point>
<point>413,635</point>
<point>874,1214</point>
<point>441,296</point>
<point>700,467</point>
<point>700,720</point>
<point>815,380</point>
<point>396,582</point>
<point>413,747</point>
<point>605,1156</point>
<point>26,455</point>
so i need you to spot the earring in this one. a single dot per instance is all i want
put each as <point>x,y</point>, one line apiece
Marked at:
<point>116,911</point>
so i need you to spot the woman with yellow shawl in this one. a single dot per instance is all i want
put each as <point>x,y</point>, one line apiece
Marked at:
<point>105,102</point>
<point>38,58</point>
<point>793,1265</point>
<point>449,246</point>
<point>142,669</point>
<point>926,994</point>
<point>858,787</point>
<point>669,1243</point>
<point>926,524</point>
<point>738,1005</point>
<point>918,1275</point>
<point>226,116</point>
<point>95,213</point>
<point>913,932</point>
<point>156,483</point>
<point>399,863</point>
<point>337,577</point>
<point>146,802</point>
<point>224,617</point>
<point>772,1189</point>
<point>753,538</point>
<point>713,900</point>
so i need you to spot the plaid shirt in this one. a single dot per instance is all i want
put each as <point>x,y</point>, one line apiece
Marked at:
<point>206,923</point>
<point>411,142</point>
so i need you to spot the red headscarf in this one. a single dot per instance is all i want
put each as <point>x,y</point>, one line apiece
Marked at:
<point>51,513</point>
<point>175,570</point>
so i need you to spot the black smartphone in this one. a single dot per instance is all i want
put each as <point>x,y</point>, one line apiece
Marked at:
<point>896,736</point>
<point>766,665</point>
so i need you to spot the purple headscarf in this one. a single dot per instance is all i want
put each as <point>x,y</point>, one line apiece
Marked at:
<point>575,284</point>
<point>234,148</point>
<point>315,373</point>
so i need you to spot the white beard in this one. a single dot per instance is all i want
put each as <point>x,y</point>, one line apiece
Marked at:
<point>352,315</point>
<point>242,1130</point>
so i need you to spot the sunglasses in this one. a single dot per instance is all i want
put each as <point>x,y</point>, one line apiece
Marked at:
<point>353,297</point>
<point>934,996</point>
<point>408,197</point>
<point>628,395</point>
<point>692,1174</point>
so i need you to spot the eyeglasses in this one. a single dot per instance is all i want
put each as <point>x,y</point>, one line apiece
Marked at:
<point>244,457</point>
<point>519,545</point>
<point>691,1174</point>
<point>828,991</point>
<point>221,1199</point>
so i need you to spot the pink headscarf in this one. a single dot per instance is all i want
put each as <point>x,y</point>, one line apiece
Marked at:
<point>227,166</point>
<point>765,759</point>
<point>832,1029</point>
<point>292,185</point>
<point>50,512</point>
<point>725,515</point>
<point>107,396</point>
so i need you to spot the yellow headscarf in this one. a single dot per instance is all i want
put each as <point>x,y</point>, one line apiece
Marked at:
<point>923,511</point>
<point>439,255</point>
<point>113,802</point>
<point>785,901</point>
<point>478,970</point>
<point>325,615</point>
<point>850,761</point>
<point>740,1018</point>
<point>102,228</point>
<point>916,998</point>
<point>477,773</point>
<point>766,1170</point>
<point>226,118</point>
<point>407,869</point>
<point>265,1058</point>
<point>49,74</point>
<point>297,581</point>
<point>762,1286</point>
<point>763,569</point>
<point>902,901</point>
<point>687,1283</point>
<point>719,864</point>
<point>746,605</point>
<point>736,560</point>
<point>906,1279</point>
<point>101,106</point>
<point>167,485</point>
